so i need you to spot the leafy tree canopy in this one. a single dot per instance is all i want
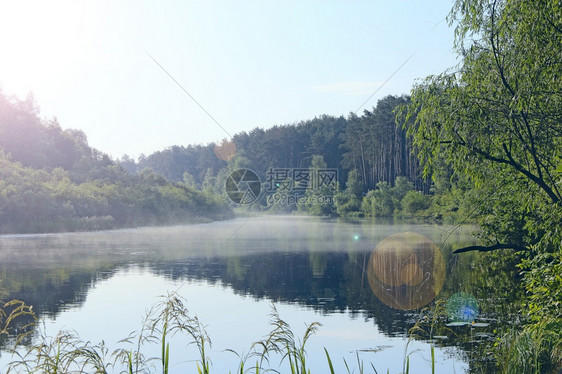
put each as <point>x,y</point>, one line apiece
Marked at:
<point>497,119</point>
<point>499,114</point>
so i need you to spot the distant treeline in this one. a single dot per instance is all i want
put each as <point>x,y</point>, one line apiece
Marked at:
<point>51,180</point>
<point>372,145</point>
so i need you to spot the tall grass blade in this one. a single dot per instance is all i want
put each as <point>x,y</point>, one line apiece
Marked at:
<point>359,363</point>
<point>346,366</point>
<point>432,359</point>
<point>130,363</point>
<point>329,361</point>
<point>167,359</point>
<point>408,365</point>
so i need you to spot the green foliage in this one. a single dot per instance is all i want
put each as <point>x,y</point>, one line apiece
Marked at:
<point>317,196</point>
<point>379,202</point>
<point>354,186</point>
<point>12,312</point>
<point>498,116</point>
<point>349,200</point>
<point>35,142</point>
<point>281,340</point>
<point>535,349</point>
<point>37,201</point>
<point>385,201</point>
<point>372,144</point>
<point>543,268</point>
<point>495,122</point>
<point>329,361</point>
<point>401,187</point>
<point>347,204</point>
<point>415,202</point>
<point>377,148</point>
<point>426,326</point>
<point>91,194</point>
<point>453,198</point>
<point>67,353</point>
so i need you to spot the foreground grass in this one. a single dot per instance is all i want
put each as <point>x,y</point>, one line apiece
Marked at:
<point>67,353</point>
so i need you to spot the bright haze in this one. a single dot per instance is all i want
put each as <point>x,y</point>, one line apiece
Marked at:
<point>249,63</point>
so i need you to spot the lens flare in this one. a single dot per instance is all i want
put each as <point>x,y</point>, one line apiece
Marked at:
<point>462,307</point>
<point>226,150</point>
<point>406,271</point>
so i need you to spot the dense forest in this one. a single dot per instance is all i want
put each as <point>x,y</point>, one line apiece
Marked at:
<point>495,123</point>
<point>51,180</point>
<point>371,143</point>
<point>370,152</point>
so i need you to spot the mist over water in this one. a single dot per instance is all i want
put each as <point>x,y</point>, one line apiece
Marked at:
<point>231,272</point>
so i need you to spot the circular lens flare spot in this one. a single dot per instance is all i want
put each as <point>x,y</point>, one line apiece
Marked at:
<point>462,307</point>
<point>411,275</point>
<point>406,271</point>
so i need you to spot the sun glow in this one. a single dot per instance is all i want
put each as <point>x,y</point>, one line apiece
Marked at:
<point>42,44</point>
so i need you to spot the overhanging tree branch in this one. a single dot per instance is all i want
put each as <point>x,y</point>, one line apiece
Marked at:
<point>539,181</point>
<point>531,147</point>
<point>511,162</point>
<point>489,248</point>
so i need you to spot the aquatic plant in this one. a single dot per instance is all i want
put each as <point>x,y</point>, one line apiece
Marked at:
<point>280,351</point>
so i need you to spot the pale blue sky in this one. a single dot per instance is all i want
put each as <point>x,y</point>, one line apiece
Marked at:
<point>248,62</point>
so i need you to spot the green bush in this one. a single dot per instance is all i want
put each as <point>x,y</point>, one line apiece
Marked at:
<point>379,202</point>
<point>415,202</point>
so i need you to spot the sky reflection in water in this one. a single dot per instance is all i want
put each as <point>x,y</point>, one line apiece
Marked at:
<point>230,273</point>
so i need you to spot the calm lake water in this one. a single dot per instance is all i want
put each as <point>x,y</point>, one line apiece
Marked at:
<point>231,273</point>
